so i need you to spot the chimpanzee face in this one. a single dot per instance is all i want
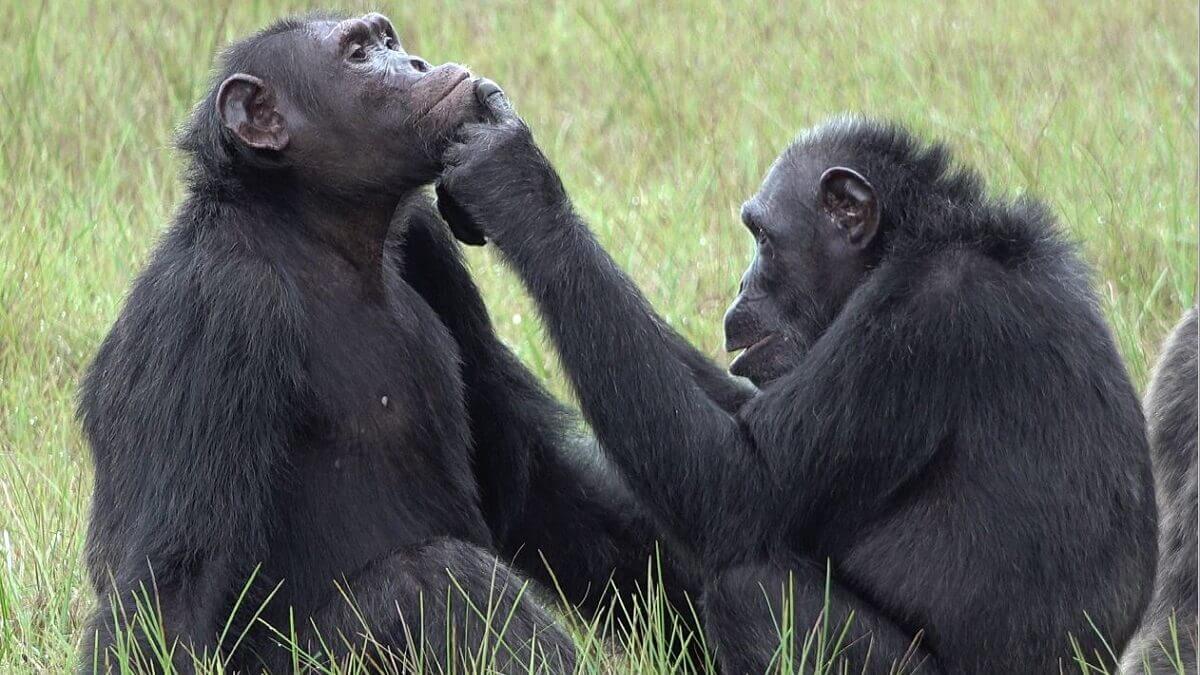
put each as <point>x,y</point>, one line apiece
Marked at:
<point>813,225</point>
<point>346,107</point>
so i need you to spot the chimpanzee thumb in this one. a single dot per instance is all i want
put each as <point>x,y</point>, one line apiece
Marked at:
<point>494,102</point>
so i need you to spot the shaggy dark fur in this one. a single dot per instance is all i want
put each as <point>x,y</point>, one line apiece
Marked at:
<point>304,387</point>
<point>1171,418</point>
<point>943,414</point>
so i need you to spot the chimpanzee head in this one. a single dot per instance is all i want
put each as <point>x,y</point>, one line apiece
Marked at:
<point>821,220</point>
<point>335,105</point>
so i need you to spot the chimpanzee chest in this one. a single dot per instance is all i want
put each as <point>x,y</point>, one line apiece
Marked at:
<point>388,382</point>
<point>384,461</point>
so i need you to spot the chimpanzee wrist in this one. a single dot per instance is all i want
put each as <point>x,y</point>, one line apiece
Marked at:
<point>545,246</point>
<point>524,221</point>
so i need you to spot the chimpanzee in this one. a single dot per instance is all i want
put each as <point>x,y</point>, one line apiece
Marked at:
<point>943,423</point>
<point>1171,419</point>
<point>304,389</point>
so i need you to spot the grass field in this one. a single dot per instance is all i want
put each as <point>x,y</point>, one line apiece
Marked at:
<point>661,121</point>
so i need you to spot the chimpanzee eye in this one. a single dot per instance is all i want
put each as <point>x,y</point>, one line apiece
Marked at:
<point>358,53</point>
<point>391,43</point>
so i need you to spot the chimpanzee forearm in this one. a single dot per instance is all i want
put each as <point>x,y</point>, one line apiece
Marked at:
<point>513,418</point>
<point>584,535</point>
<point>436,269</point>
<point>726,391</point>
<point>548,499</point>
<point>508,411</point>
<point>680,450</point>
<point>574,527</point>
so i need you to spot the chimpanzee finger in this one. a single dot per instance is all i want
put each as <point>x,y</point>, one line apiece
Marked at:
<point>461,225</point>
<point>494,101</point>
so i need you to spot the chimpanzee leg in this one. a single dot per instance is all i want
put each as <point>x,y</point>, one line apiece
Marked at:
<point>747,608</point>
<point>442,606</point>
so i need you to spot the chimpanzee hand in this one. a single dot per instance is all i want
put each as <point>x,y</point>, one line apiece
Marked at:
<point>495,174</point>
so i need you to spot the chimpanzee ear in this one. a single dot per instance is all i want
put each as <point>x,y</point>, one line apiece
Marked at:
<point>850,201</point>
<point>248,107</point>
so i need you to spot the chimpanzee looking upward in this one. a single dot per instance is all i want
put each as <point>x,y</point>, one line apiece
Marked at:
<point>305,378</point>
<point>943,415</point>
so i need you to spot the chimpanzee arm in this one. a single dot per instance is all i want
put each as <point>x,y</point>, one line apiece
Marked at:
<point>728,392</point>
<point>684,455</point>
<point>188,407</point>
<point>725,390</point>
<point>511,417</point>
<point>885,389</point>
<point>544,490</point>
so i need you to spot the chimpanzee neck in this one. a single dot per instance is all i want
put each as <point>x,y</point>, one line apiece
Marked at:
<point>352,229</point>
<point>356,231</point>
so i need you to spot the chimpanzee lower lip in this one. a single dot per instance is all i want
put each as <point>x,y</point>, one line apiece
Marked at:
<point>740,359</point>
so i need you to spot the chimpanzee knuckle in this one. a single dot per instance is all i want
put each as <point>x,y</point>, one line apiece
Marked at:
<point>502,146</point>
<point>515,131</point>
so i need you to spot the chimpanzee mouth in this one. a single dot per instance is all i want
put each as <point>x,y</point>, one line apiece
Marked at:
<point>752,348</point>
<point>437,100</point>
<point>755,361</point>
<point>746,345</point>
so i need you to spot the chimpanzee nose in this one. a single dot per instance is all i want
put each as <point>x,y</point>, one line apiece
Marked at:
<point>419,64</point>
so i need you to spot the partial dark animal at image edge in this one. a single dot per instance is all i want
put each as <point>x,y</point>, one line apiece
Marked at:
<point>943,414</point>
<point>1172,422</point>
<point>304,379</point>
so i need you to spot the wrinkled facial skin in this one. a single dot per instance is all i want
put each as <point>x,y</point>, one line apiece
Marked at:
<point>369,116</point>
<point>799,278</point>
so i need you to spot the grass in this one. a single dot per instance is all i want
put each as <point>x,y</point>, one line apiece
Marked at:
<point>661,121</point>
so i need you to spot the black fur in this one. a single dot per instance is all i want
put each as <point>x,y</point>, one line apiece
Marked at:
<point>1171,418</point>
<point>960,440</point>
<point>329,407</point>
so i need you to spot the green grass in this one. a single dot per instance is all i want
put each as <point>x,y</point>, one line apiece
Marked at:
<point>661,122</point>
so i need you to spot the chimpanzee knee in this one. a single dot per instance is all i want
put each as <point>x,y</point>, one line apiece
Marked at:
<point>442,606</point>
<point>750,610</point>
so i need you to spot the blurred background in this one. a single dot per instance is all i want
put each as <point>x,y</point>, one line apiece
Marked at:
<point>661,118</point>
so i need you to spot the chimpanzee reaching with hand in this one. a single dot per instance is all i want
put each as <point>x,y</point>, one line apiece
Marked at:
<point>304,388</point>
<point>943,417</point>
